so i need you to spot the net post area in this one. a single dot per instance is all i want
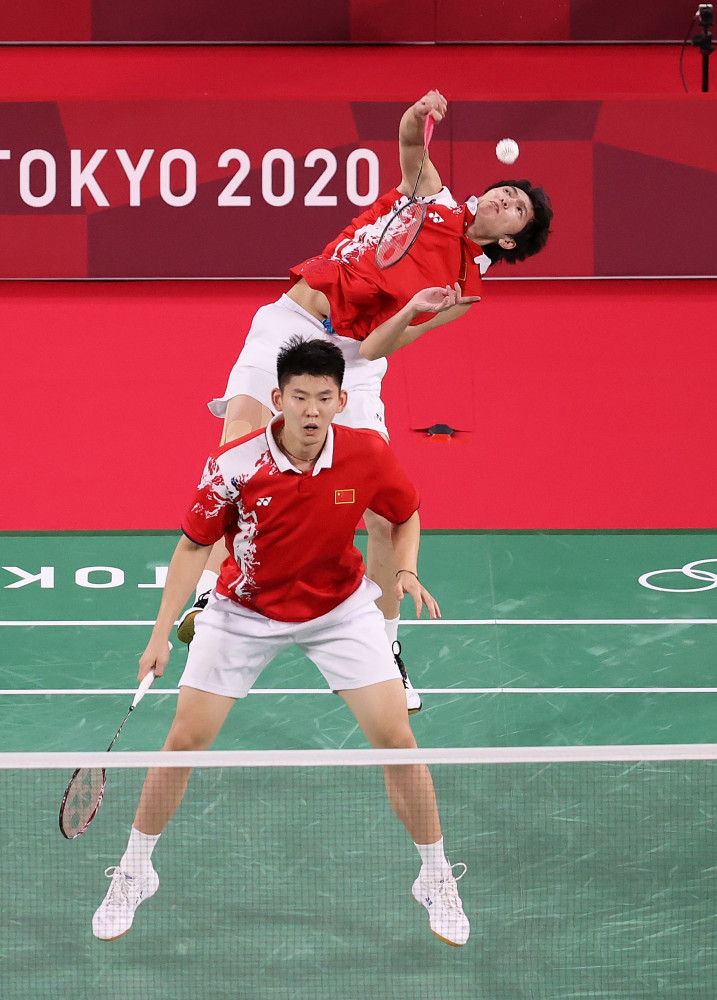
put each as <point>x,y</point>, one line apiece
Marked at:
<point>589,872</point>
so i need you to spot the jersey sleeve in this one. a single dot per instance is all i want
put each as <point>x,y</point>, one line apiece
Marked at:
<point>471,284</point>
<point>396,498</point>
<point>213,510</point>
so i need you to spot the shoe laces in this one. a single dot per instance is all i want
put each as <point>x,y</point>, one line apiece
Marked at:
<point>203,599</point>
<point>396,650</point>
<point>120,888</point>
<point>448,888</point>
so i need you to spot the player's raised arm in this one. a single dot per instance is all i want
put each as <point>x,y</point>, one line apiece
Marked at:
<point>410,145</point>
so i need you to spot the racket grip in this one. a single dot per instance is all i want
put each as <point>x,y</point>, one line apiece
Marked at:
<point>143,688</point>
<point>428,130</point>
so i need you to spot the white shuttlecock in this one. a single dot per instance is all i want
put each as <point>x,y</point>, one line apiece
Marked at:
<point>507,150</point>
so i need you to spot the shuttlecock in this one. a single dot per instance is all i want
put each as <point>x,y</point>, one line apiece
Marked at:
<point>507,150</point>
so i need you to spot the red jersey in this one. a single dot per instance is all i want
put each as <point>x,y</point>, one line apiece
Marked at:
<point>291,533</point>
<point>361,295</point>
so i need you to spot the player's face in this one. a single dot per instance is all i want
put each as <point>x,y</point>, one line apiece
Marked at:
<point>309,404</point>
<point>502,213</point>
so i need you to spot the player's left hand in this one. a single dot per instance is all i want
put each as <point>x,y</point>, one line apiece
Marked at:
<point>411,585</point>
<point>437,299</point>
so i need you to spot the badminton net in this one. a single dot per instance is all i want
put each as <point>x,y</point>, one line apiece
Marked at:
<point>591,872</point>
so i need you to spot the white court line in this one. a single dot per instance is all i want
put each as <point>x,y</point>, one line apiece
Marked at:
<point>426,621</point>
<point>451,690</point>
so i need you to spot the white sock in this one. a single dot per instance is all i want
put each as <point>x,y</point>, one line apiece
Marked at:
<point>391,626</point>
<point>207,581</point>
<point>434,860</point>
<point>136,859</point>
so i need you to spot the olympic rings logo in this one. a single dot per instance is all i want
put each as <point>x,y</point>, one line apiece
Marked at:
<point>689,571</point>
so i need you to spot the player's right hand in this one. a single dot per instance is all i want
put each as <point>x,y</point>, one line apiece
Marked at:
<point>434,104</point>
<point>437,299</point>
<point>155,657</point>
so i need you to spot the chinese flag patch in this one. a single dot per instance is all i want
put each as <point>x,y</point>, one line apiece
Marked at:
<point>345,496</point>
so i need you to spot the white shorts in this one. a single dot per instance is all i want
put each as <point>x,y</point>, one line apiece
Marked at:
<point>254,373</point>
<point>232,645</point>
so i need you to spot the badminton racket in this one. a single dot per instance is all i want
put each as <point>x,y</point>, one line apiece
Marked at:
<point>402,229</point>
<point>86,788</point>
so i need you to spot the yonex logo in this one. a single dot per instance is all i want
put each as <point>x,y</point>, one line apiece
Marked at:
<point>435,217</point>
<point>263,501</point>
<point>689,572</point>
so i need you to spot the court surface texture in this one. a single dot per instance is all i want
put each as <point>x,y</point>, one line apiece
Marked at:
<point>584,879</point>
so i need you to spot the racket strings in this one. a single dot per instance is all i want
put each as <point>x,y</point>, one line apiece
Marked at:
<point>400,234</point>
<point>82,800</point>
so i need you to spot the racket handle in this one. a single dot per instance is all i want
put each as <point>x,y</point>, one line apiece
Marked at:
<point>143,688</point>
<point>428,130</point>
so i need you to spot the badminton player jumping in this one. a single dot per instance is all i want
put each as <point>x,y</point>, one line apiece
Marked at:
<point>294,576</point>
<point>344,295</point>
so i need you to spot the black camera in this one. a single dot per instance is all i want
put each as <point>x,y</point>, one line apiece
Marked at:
<point>706,15</point>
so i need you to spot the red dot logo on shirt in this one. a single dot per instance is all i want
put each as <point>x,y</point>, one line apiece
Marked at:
<point>345,496</point>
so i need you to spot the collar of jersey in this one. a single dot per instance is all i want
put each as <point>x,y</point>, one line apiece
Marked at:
<point>284,464</point>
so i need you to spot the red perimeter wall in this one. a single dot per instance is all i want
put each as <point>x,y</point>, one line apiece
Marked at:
<point>579,404</point>
<point>583,404</point>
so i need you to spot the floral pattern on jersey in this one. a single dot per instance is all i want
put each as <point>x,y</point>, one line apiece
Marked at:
<point>365,238</point>
<point>214,494</point>
<point>244,541</point>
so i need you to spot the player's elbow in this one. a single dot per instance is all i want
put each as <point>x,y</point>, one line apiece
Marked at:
<point>369,352</point>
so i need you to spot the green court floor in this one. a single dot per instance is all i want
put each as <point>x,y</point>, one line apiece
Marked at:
<point>584,880</point>
<point>546,638</point>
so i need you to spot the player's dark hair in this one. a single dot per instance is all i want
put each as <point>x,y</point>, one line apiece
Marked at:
<point>302,356</point>
<point>533,236</point>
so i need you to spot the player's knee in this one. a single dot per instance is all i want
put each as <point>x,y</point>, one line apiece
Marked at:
<point>244,415</point>
<point>186,735</point>
<point>396,736</point>
<point>235,429</point>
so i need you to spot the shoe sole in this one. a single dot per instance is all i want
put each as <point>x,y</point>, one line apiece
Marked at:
<point>453,944</point>
<point>116,937</point>
<point>415,711</point>
<point>185,629</point>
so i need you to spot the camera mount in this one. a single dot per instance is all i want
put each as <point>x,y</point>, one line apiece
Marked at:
<point>703,41</point>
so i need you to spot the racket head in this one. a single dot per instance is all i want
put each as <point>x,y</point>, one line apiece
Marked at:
<point>399,234</point>
<point>82,800</point>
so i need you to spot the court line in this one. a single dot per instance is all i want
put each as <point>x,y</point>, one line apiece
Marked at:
<point>424,621</point>
<point>452,690</point>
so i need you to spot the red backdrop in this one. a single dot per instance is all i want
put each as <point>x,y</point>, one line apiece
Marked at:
<point>344,20</point>
<point>580,404</point>
<point>232,178</point>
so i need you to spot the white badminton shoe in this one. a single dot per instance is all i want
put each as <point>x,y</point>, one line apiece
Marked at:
<point>115,915</point>
<point>413,698</point>
<point>445,909</point>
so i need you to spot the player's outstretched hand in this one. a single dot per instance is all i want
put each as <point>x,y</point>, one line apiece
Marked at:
<point>411,585</point>
<point>437,299</point>
<point>434,104</point>
<point>155,657</point>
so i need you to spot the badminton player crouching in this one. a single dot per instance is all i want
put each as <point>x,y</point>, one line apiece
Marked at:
<point>293,576</point>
